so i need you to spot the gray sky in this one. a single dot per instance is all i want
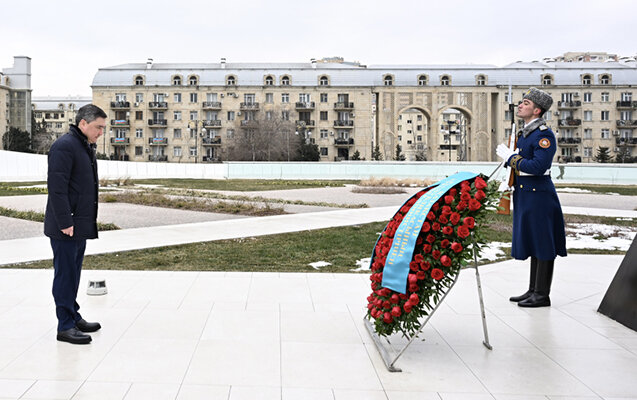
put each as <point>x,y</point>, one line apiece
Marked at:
<point>68,41</point>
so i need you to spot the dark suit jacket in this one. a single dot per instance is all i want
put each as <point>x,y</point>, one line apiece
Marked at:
<point>73,185</point>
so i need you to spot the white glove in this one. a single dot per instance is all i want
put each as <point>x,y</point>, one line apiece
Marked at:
<point>504,152</point>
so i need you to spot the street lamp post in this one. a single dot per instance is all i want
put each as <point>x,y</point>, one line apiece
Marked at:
<point>196,124</point>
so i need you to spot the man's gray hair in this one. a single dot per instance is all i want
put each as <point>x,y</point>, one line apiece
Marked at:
<point>89,113</point>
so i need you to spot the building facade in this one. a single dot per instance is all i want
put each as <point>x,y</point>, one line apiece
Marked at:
<point>54,115</point>
<point>15,96</point>
<point>158,112</point>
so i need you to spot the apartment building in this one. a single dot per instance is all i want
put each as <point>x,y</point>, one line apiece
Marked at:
<point>193,112</point>
<point>15,96</point>
<point>55,113</point>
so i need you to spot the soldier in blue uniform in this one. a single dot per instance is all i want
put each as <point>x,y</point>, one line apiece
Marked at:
<point>538,223</point>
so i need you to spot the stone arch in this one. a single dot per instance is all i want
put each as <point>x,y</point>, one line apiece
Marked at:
<point>416,148</point>
<point>480,149</point>
<point>454,141</point>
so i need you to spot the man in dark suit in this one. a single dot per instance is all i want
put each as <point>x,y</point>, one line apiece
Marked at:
<point>71,216</point>
<point>538,223</point>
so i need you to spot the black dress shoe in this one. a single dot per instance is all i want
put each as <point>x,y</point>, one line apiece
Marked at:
<point>73,336</point>
<point>87,326</point>
<point>536,300</point>
<point>521,297</point>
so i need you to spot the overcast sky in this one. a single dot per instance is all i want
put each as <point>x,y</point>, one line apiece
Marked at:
<point>68,41</point>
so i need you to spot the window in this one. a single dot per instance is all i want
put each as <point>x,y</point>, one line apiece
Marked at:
<point>177,151</point>
<point>193,151</point>
<point>323,115</point>
<point>419,117</point>
<point>177,133</point>
<point>588,151</point>
<point>139,80</point>
<point>419,127</point>
<point>177,97</point>
<point>445,81</point>
<point>139,133</point>
<point>269,97</point>
<point>419,138</point>
<point>285,81</point>
<point>481,80</point>
<point>626,115</point>
<point>400,127</point>
<point>193,97</point>
<point>587,80</point>
<point>230,115</point>
<point>604,79</point>
<point>38,115</point>
<point>177,115</point>
<point>193,80</point>
<point>139,150</point>
<point>139,115</point>
<point>120,97</point>
<point>193,115</point>
<point>231,80</point>
<point>588,133</point>
<point>605,133</point>
<point>588,115</point>
<point>323,133</point>
<point>58,125</point>
<point>388,80</point>
<point>507,97</point>
<point>588,96</point>
<point>268,115</point>
<point>230,133</point>
<point>177,80</point>
<point>605,97</point>
<point>269,80</point>
<point>323,97</point>
<point>285,97</point>
<point>627,96</point>
<point>507,115</point>
<point>547,79</point>
<point>139,97</point>
<point>324,151</point>
<point>605,115</point>
<point>323,81</point>
<point>422,80</point>
<point>285,115</point>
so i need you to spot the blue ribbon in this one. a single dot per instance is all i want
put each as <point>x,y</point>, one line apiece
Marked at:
<point>402,249</point>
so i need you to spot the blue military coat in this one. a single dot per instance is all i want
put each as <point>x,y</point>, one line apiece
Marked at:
<point>538,223</point>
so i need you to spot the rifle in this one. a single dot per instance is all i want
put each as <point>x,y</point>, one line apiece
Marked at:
<point>504,207</point>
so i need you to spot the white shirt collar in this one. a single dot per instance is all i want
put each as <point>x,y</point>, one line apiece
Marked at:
<point>530,122</point>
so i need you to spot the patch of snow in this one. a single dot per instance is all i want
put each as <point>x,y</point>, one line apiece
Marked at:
<point>492,251</point>
<point>319,264</point>
<point>363,264</point>
<point>572,190</point>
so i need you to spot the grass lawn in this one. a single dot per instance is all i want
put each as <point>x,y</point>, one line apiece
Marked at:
<point>39,217</point>
<point>14,189</point>
<point>243,185</point>
<point>626,190</point>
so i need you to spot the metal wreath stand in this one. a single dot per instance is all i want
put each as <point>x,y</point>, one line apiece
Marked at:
<point>390,357</point>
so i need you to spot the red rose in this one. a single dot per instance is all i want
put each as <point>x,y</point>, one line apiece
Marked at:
<point>419,258</point>
<point>413,287</point>
<point>385,292</point>
<point>449,199</point>
<point>480,183</point>
<point>436,206</point>
<point>387,318</point>
<point>445,243</point>
<point>456,247</point>
<point>431,238</point>
<point>404,209</point>
<point>445,261</point>
<point>407,307</point>
<point>425,227</point>
<point>465,196</point>
<point>396,311</point>
<point>454,218</point>
<point>480,195</point>
<point>370,306</point>
<point>411,278</point>
<point>426,248</point>
<point>394,299</point>
<point>437,274</point>
<point>412,201</point>
<point>374,313</point>
<point>435,254</point>
<point>435,226</point>
<point>442,219</point>
<point>403,296</point>
<point>461,205</point>
<point>463,231</point>
<point>425,266</point>
<point>469,222</point>
<point>431,216</point>
<point>465,187</point>
<point>420,275</point>
<point>414,299</point>
<point>446,210</point>
<point>414,266</point>
<point>374,286</point>
<point>453,192</point>
<point>386,304</point>
<point>474,205</point>
<point>447,230</point>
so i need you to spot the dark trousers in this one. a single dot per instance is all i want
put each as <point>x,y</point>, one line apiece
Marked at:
<point>67,262</point>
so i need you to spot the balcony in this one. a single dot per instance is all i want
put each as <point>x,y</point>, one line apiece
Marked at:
<point>569,122</point>
<point>211,105</point>
<point>120,105</point>
<point>120,141</point>
<point>343,105</point>
<point>157,122</point>
<point>249,123</point>
<point>120,122</point>
<point>158,105</point>
<point>157,158</point>
<point>626,141</point>
<point>300,105</point>
<point>305,123</point>
<point>119,157</point>
<point>249,106</point>
<point>158,141</point>
<point>569,104</point>
<point>569,142</point>
<point>344,124</point>
<point>211,159</point>
<point>627,123</point>
<point>213,141</point>
<point>211,123</point>
<point>626,104</point>
<point>341,142</point>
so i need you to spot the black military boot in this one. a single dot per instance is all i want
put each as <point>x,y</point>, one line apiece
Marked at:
<point>531,283</point>
<point>540,297</point>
